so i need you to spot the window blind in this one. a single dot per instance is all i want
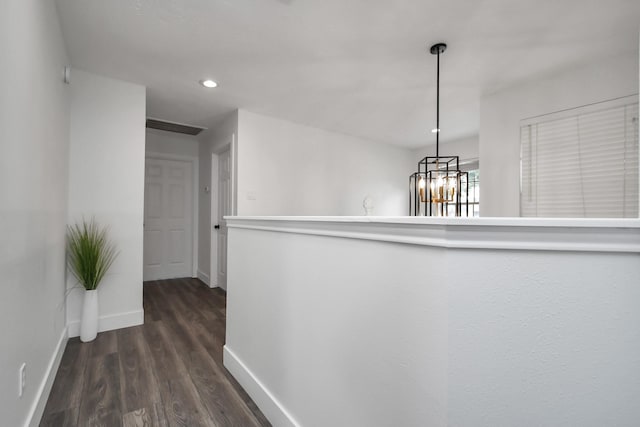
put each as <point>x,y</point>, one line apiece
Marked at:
<point>581,162</point>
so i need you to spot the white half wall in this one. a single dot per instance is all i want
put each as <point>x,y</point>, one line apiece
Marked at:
<point>501,113</point>
<point>289,169</point>
<point>34,150</point>
<point>163,142</point>
<point>374,321</point>
<point>106,181</point>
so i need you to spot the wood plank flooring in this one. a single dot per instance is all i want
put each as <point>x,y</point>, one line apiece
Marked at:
<point>167,372</point>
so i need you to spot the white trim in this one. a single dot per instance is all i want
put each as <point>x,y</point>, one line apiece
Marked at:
<point>204,277</point>
<point>232,146</point>
<point>42,395</point>
<point>195,182</point>
<point>213,217</point>
<point>275,412</point>
<point>580,235</point>
<point>583,109</point>
<point>234,174</point>
<point>110,322</point>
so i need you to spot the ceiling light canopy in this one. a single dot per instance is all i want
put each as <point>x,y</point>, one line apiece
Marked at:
<point>208,83</point>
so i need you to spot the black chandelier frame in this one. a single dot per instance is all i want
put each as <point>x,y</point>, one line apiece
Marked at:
<point>439,182</point>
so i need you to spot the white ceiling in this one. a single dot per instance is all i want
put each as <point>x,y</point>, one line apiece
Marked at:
<point>359,67</point>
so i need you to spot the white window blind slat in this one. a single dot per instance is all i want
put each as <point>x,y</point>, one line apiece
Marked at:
<point>581,163</point>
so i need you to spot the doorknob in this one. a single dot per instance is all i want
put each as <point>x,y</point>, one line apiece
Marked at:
<point>217,227</point>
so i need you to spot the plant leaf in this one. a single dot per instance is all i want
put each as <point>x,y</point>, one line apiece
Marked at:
<point>89,252</point>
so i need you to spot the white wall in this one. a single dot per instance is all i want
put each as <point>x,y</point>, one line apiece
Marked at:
<point>436,322</point>
<point>212,141</point>
<point>500,115</point>
<point>106,180</point>
<point>290,169</point>
<point>34,147</point>
<point>465,148</point>
<point>284,168</point>
<point>543,338</point>
<point>158,141</point>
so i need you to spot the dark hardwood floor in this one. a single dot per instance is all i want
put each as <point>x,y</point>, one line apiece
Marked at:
<point>167,372</point>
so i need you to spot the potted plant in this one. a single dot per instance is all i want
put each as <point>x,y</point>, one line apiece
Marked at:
<point>89,256</point>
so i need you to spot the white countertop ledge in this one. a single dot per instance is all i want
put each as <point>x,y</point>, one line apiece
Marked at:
<point>541,234</point>
<point>484,221</point>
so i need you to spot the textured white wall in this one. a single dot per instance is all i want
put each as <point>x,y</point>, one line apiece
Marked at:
<point>351,331</point>
<point>544,338</point>
<point>501,113</point>
<point>106,180</point>
<point>163,142</point>
<point>343,332</point>
<point>290,169</point>
<point>34,148</point>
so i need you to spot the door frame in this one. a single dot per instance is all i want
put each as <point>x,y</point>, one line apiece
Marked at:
<point>194,196</point>
<point>232,146</point>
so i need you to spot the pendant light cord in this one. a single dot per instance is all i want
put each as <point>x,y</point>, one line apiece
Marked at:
<point>438,108</point>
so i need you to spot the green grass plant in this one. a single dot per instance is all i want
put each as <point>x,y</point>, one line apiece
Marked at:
<point>89,252</point>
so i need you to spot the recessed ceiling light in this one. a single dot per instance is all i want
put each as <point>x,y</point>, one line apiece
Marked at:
<point>208,83</point>
<point>435,130</point>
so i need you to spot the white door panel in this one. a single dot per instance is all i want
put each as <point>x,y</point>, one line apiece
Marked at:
<point>168,219</point>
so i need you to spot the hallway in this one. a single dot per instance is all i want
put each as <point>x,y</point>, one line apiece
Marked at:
<point>167,372</point>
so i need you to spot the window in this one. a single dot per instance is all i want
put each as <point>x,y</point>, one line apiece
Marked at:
<point>581,162</point>
<point>474,193</point>
<point>472,167</point>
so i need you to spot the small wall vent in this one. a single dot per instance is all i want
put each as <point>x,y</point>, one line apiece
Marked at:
<point>173,127</point>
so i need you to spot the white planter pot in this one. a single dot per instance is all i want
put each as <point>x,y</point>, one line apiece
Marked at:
<point>89,320</point>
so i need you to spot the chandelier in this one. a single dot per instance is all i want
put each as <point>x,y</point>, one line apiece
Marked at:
<point>436,188</point>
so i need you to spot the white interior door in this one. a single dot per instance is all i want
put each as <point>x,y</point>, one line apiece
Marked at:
<point>168,219</point>
<point>224,208</point>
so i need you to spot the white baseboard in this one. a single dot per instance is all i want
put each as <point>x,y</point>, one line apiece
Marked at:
<point>204,277</point>
<point>42,395</point>
<point>110,322</point>
<point>268,404</point>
